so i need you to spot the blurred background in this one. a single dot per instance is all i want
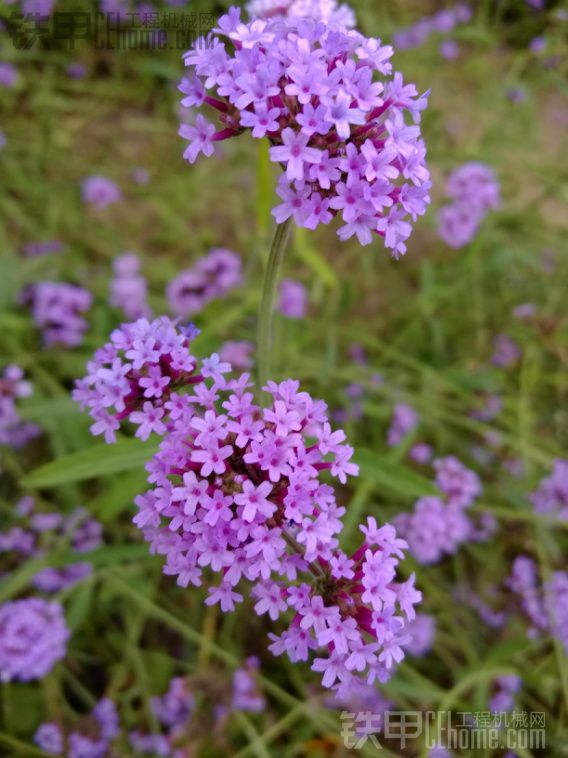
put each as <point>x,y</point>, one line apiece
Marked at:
<point>459,348</point>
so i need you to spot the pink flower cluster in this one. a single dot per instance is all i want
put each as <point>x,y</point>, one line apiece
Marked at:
<point>213,276</point>
<point>14,431</point>
<point>129,289</point>
<point>56,310</point>
<point>135,375</point>
<point>438,526</point>
<point>340,134</point>
<point>474,190</point>
<point>237,491</point>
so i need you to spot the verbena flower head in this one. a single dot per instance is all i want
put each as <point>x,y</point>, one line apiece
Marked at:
<point>506,351</point>
<point>213,276</point>
<point>56,310</point>
<point>134,377</point>
<point>14,431</point>
<point>404,420</point>
<point>551,497</point>
<point>342,125</point>
<point>460,485</point>
<point>8,75</point>
<point>545,604</point>
<point>438,526</point>
<point>421,632</point>
<point>100,192</point>
<point>239,353</point>
<point>293,301</point>
<point>329,11</point>
<point>129,289</point>
<point>33,637</point>
<point>237,491</point>
<point>474,190</point>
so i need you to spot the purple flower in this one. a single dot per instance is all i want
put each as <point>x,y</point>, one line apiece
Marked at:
<point>421,633</point>
<point>551,497</point>
<point>310,88</point>
<point>328,11</point>
<point>133,367</point>
<point>106,715</point>
<point>174,708</point>
<point>404,420</point>
<point>100,192</point>
<point>8,75</point>
<point>56,309</point>
<point>238,353</point>
<point>213,276</point>
<point>293,299</point>
<point>33,637</point>
<point>13,431</point>
<point>450,50</point>
<point>48,737</point>
<point>129,289</point>
<point>506,352</point>
<point>460,485</point>
<point>474,190</point>
<point>476,184</point>
<point>50,247</point>
<point>441,22</point>
<point>246,695</point>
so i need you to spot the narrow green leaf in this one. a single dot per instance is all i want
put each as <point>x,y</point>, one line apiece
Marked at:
<point>96,461</point>
<point>394,477</point>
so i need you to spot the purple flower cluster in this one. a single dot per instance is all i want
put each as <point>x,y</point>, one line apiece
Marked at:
<point>56,309</point>
<point>340,136</point>
<point>100,192</point>
<point>438,526</point>
<point>506,352</point>
<point>293,301</point>
<point>213,276</point>
<point>8,75</point>
<point>35,249</point>
<point>327,11</point>
<point>421,633</point>
<point>246,694</point>
<point>239,353</point>
<point>442,22</point>
<point>551,496</point>
<point>13,431</point>
<point>104,723</point>
<point>135,375</point>
<point>33,637</point>
<point>474,191</point>
<point>546,604</point>
<point>129,289</point>
<point>42,532</point>
<point>503,699</point>
<point>404,420</point>
<point>239,492</point>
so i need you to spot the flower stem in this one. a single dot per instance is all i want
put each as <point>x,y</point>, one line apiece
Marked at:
<point>266,310</point>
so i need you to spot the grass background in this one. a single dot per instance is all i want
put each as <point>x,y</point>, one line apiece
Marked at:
<point>427,324</point>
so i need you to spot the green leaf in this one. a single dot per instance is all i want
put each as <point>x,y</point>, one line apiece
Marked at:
<point>97,461</point>
<point>394,477</point>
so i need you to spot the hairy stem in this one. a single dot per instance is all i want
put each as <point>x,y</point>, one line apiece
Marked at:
<point>266,310</point>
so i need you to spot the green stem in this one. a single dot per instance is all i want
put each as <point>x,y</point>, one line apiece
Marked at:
<point>266,310</point>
